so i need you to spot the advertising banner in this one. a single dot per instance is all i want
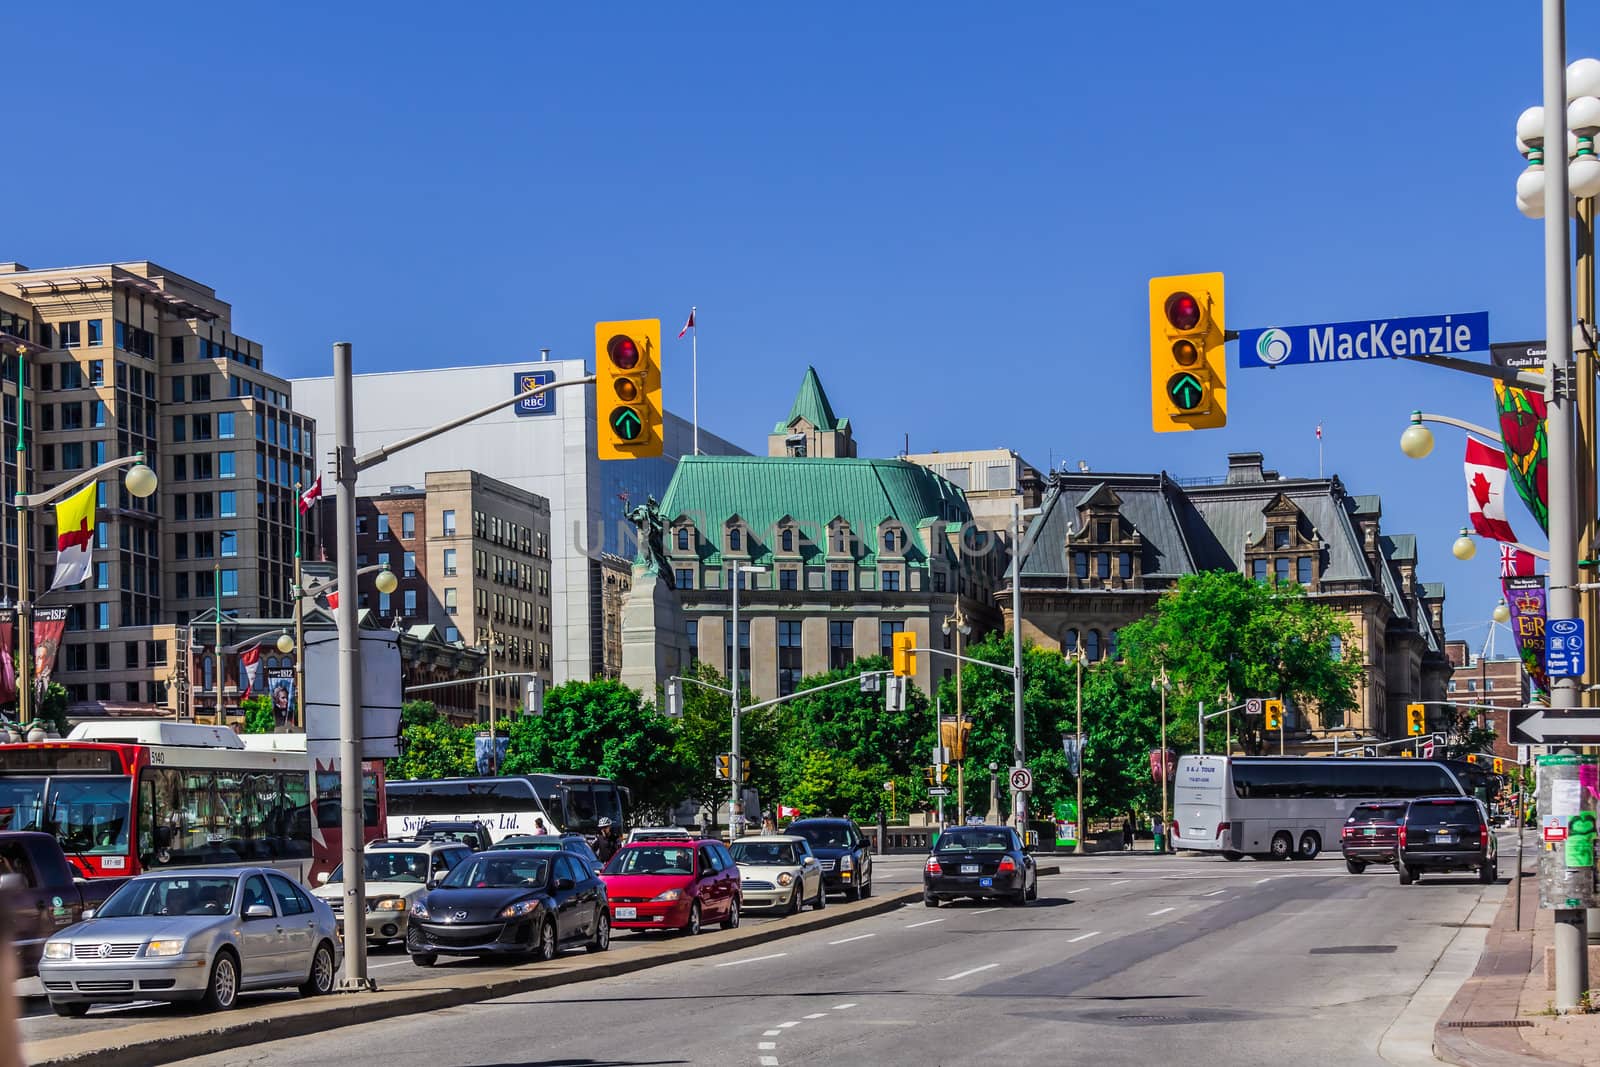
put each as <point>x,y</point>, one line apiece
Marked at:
<point>280,687</point>
<point>1525,596</point>
<point>8,662</point>
<point>48,626</point>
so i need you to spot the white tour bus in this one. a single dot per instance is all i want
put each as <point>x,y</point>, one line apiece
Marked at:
<point>1276,807</point>
<point>508,805</point>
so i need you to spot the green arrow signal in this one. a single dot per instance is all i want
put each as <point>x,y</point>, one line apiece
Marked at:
<point>1185,390</point>
<point>627,423</point>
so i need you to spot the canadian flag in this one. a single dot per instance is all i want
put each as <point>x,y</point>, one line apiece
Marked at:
<point>1427,750</point>
<point>250,670</point>
<point>786,812</point>
<point>688,325</point>
<point>314,493</point>
<point>1515,562</point>
<point>1486,490</point>
<point>333,600</point>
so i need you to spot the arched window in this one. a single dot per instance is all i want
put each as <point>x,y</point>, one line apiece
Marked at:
<point>1069,640</point>
<point>1091,646</point>
<point>683,539</point>
<point>734,539</point>
<point>786,539</point>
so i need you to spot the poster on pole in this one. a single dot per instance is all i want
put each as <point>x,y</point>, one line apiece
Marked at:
<point>280,687</point>
<point>48,626</point>
<point>1525,596</point>
<point>380,686</point>
<point>8,663</point>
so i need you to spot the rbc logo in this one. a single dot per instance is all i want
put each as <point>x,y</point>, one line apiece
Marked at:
<point>544,403</point>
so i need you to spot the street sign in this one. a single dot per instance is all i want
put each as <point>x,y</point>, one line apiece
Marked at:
<point>1427,749</point>
<point>939,791</point>
<point>544,403</point>
<point>1021,779</point>
<point>1370,751</point>
<point>1545,726</point>
<point>1253,706</point>
<point>1564,653</point>
<point>1341,342</point>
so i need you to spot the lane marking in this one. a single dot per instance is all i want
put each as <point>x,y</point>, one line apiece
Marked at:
<point>1081,889</point>
<point>1082,937</point>
<point>973,970</point>
<point>1261,881</point>
<point>1120,881</point>
<point>1216,893</point>
<point>842,1007</point>
<point>847,940</point>
<point>772,1033</point>
<point>766,1046</point>
<point>1162,911</point>
<point>925,922</point>
<point>769,1061</point>
<point>983,911</point>
<point>752,959</point>
<point>785,1026</point>
<point>816,1015</point>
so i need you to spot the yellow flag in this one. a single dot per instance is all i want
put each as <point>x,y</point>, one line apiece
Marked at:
<point>75,537</point>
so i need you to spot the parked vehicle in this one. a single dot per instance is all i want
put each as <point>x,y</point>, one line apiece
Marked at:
<point>673,886</point>
<point>574,843</point>
<point>511,902</point>
<point>1446,834</point>
<point>201,934</point>
<point>1371,834</point>
<point>778,871</point>
<point>844,852</point>
<point>659,833</point>
<point>397,871</point>
<point>47,896</point>
<point>475,835</point>
<point>980,861</point>
<point>510,804</point>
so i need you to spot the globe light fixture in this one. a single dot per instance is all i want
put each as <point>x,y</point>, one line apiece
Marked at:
<point>386,581</point>
<point>1464,548</point>
<point>285,643</point>
<point>1501,613</point>
<point>1417,440</point>
<point>140,480</point>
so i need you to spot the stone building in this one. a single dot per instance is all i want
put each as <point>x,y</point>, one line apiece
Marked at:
<point>1483,678</point>
<point>1107,545</point>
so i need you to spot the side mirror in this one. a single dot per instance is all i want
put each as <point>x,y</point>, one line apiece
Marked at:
<point>322,877</point>
<point>258,911</point>
<point>565,883</point>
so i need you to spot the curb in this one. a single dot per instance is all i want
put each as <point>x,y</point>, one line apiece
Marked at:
<point>153,1043</point>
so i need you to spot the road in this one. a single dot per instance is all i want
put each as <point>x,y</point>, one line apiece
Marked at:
<point>1121,957</point>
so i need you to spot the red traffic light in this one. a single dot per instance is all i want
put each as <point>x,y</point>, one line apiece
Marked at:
<point>1183,311</point>
<point>623,352</point>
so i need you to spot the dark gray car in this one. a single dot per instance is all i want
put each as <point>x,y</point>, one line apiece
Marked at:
<point>1448,833</point>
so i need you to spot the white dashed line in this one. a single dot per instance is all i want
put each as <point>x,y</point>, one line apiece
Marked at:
<point>847,940</point>
<point>752,959</point>
<point>1216,893</point>
<point>842,1007</point>
<point>1121,881</point>
<point>1162,911</point>
<point>925,922</point>
<point>1082,937</point>
<point>1262,881</point>
<point>785,1026</point>
<point>771,1033</point>
<point>973,970</point>
<point>766,1046</point>
<point>816,1015</point>
<point>984,911</point>
<point>1081,889</point>
<point>769,1061</point>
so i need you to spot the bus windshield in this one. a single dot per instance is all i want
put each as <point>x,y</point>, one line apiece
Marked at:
<point>22,803</point>
<point>87,814</point>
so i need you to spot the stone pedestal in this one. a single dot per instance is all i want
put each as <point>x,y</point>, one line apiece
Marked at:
<point>654,645</point>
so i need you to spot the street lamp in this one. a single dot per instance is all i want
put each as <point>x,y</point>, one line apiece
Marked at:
<point>1417,440</point>
<point>956,624</point>
<point>285,642</point>
<point>1077,656</point>
<point>735,766</point>
<point>1463,548</point>
<point>1163,684</point>
<point>1501,613</point>
<point>386,581</point>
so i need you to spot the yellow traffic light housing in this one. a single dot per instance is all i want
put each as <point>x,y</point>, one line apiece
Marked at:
<point>1472,757</point>
<point>1499,765</point>
<point>725,767</point>
<point>1416,719</point>
<point>904,662</point>
<point>1188,361</point>
<point>627,366</point>
<point>1273,713</point>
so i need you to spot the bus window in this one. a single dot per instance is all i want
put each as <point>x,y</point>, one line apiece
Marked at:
<point>608,803</point>
<point>581,815</point>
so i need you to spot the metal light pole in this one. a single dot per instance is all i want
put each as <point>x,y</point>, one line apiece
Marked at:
<point>736,579</point>
<point>1083,823</point>
<point>956,623</point>
<point>1019,756</point>
<point>1164,685</point>
<point>494,744</point>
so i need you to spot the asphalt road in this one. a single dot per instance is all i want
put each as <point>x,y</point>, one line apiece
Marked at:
<point>1121,959</point>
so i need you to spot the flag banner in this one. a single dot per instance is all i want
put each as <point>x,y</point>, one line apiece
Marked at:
<point>311,495</point>
<point>687,326</point>
<point>1522,428</point>
<point>250,668</point>
<point>1525,596</point>
<point>1515,561</point>
<point>1485,468</point>
<point>48,626</point>
<point>280,686</point>
<point>8,661</point>
<point>75,537</point>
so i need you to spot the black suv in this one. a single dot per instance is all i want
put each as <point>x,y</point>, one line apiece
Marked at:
<point>1446,834</point>
<point>844,852</point>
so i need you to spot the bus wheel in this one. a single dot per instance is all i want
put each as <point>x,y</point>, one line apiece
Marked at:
<point>1310,846</point>
<point>1282,845</point>
<point>1233,857</point>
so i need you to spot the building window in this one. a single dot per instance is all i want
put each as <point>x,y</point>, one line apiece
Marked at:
<point>227,501</point>
<point>449,562</point>
<point>1102,531</point>
<point>450,600</point>
<point>1125,565</point>
<point>96,332</point>
<point>230,583</point>
<point>230,542</point>
<point>449,523</point>
<point>68,333</point>
<point>788,656</point>
<point>886,632</point>
<point>1280,537</point>
<point>225,465</point>
<point>1336,650</point>
<point>411,602</point>
<point>786,540</point>
<point>683,539</point>
<point>692,629</point>
<point>1258,570</point>
<point>939,582</point>
<point>1103,564</point>
<point>683,577</point>
<point>1280,570</point>
<point>789,578</point>
<point>383,526</point>
<point>891,581</point>
<point>841,644</point>
<point>408,563</point>
<point>1303,570</point>
<point>102,576</point>
<point>840,579</point>
<point>734,539</point>
<point>408,524</point>
<point>1080,564</point>
<point>744,650</point>
<point>1488,684</point>
<point>1069,640</point>
<point>1091,646</point>
<point>224,423</point>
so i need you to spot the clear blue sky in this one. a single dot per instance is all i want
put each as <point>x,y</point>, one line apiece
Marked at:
<point>951,211</point>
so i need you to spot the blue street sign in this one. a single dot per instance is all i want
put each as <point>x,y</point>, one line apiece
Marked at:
<point>1564,653</point>
<point>544,403</point>
<point>1341,342</point>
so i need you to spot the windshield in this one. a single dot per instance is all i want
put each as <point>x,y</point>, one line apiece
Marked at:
<point>653,859</point>
<point>1377,813</point>
<point>21,803</point>
<point>764,853</point>
<point>89,814</point>
<point>826,834</point>
<point>171,895</point>
<point>499,872</point>
<point>391,867</point>
<point>975,841</point>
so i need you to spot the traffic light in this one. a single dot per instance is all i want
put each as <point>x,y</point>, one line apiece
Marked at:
<point>674,701</point>
<point>1416,719</point>
<point>534,703</point>
<point>744,768</point>
<point>894,697</point>
<point>1188,364</point>
<point>1499,765</point>
<point>937,774</point>
<point>1472,757</point>
<point>627,369</point>
<point>724,767</point>
<point>1406,753</point>
<point>1273,711</point>
<point>905,654</point>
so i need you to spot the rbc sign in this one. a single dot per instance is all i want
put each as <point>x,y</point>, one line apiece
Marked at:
<point>544,403</point>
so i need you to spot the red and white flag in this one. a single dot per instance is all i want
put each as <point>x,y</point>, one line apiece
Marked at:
<point>250,670</point>
<point>1486,490</point>
<point>1319,431</point>
<point>1515,562</point>
<point>688,325</point>
<point>311,495</point>
<point>333,600</point>
<point>786,812</point>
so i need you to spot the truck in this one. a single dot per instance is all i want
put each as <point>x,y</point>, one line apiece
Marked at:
<point>41,894</point>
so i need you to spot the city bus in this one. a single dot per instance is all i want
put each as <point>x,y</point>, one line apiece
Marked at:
<point>1278,807</point>
<point>327,832</point>
<point>508,805</point>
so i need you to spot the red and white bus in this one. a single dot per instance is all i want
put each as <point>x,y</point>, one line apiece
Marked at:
<point>124,797</point>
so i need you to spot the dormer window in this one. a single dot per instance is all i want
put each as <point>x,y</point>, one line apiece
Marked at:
<point>786,540</point>
<point>735,540</point>
<point>683,539</point>
<point>1102,531</point>
<point>1280,537</point>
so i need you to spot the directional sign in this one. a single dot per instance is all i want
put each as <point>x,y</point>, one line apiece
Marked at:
<point>1185,391</point>
<point>1344,342</point>
<point>1253,706</point>
<point>1021,779</point>
<point>626,422</point>
<point>1546,726</point>
<point>939,791</point>
<point>1565,654</point>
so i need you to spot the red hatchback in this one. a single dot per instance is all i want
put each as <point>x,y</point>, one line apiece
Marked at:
<point>667,885</point>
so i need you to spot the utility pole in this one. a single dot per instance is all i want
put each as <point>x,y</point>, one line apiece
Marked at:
<point>735,765</point>
<point>1019,755</point>
<point>299,710</point>
<point>1083,822</point>
<point>1164,684</point>
<point>216,586</point>
<point>24,520</point>
<point>956,623</point>
<point>494,742</point>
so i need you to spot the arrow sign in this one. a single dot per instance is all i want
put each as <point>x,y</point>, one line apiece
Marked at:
<point>627,423</point>
<point>1542,726</point>
<point>1185,390</point>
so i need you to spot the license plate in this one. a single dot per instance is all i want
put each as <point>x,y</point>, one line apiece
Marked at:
<point>1445,839</point>
<point>1370,831</point>
<point>985,883</point>
<point>627,913</point>
<point>969,868</point>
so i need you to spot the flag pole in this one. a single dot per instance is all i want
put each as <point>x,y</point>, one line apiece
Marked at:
<point>24,519</point>
<point>216,583</point>
<point>1319,451</point>
<point>299,710</point>
<point>694,359</point>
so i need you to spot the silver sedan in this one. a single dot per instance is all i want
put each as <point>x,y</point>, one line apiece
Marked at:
<point>200,934</point>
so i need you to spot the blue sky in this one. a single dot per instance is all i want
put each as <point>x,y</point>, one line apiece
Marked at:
<point>952,214</point>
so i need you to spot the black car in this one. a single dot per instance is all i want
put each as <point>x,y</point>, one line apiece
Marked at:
<point>1446,834</point>
<point>575,843</point>
<point>980,861</point>
<point>472,833</point>
<point>843,851</point>
<point>520,903</point>
<point>1371,834</point>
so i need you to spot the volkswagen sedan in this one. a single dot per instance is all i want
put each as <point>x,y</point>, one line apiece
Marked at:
<point>204,934</point>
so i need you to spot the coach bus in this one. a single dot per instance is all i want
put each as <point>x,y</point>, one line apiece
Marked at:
<point>508,805</point>
<point>1278,807</point>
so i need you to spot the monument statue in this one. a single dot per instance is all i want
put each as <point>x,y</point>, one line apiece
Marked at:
<point>651,556</point>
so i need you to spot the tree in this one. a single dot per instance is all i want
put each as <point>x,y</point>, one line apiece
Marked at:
<point>52,707</point>
<point>418,713</point>
<point>258,717</point>
<point>705,731</point>
<point>434,749</point>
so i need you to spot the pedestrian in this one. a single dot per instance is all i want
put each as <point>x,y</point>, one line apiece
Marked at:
<point>605,844</point>
<point>768,826</point>
<point>1155,831</point>
<point>539,827</point>
<point>1127,834</point>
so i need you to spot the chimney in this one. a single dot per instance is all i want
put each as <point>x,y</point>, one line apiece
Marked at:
<point>1244,468</point>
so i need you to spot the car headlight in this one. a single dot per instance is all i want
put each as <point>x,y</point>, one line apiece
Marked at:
<point>389,904</point>
<point>671,894</point>
<point>419,909</point>
<point>847,863</point>
<point>172,946</point>
<point>57,950</point>
<point>785,878</point>
<point>519,909</point>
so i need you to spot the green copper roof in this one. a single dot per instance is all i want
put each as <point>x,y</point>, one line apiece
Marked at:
<point>811,404</point>
<point>763,491</point>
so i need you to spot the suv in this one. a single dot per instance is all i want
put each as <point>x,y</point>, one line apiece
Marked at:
<point>1446,834</point>
<point>844,852</point>
<point>397,873</point>
<point>470,832</point>
<point>1371,834</point>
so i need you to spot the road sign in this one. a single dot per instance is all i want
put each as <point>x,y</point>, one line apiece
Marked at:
<point>1021,779</point>
<point>1564,653</point>
<point>1370,751</point>
<point>1342,342</point>
<point>939,791</point>
<point>1253,706</point>
<point>1427,749</point>
<point>1545,726</point>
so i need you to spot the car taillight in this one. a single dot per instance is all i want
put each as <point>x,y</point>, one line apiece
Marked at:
<point>1483,836</point>
<point>933,866</point>
<point>1402,832</point>
<point>1222,829</point>
<point>1007,865</point>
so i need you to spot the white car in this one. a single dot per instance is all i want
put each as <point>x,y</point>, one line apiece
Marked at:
<point>658,833</point>
<point>778,871</point>
<point>397,873</point>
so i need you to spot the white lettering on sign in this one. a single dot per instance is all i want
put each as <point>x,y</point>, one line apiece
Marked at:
<point>1374,340</point>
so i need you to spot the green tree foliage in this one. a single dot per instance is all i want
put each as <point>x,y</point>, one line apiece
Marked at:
<point>432,748</point>
<point>52,707</point>
<point>418,713</point>
<point>258,717</point>
<point>705,731</point>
